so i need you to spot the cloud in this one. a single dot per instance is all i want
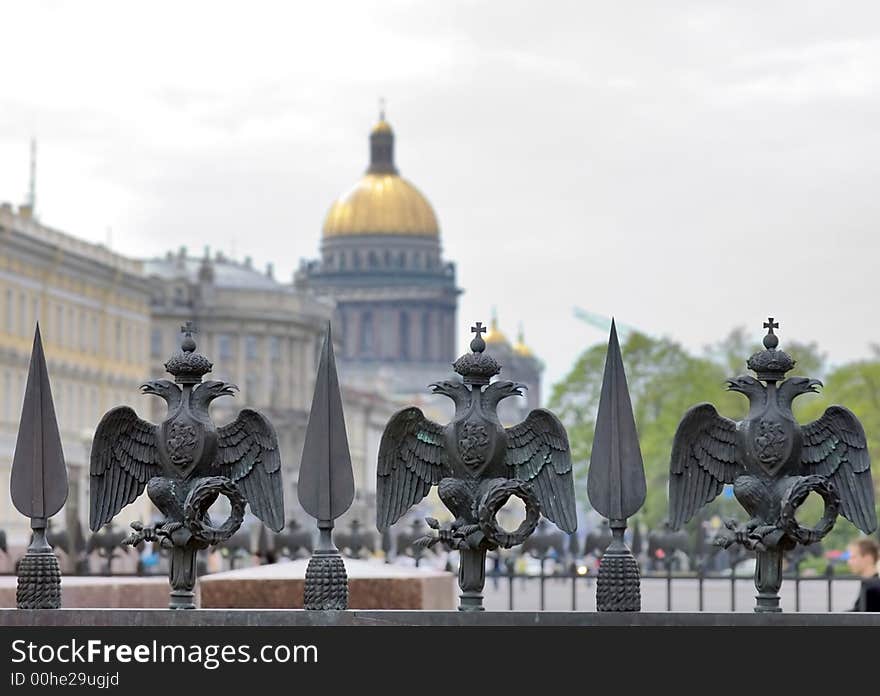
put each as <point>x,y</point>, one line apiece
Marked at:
<point>687,167</point>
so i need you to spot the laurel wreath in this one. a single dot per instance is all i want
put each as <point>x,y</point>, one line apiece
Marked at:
<point>795,496</point>
<point>494,499</point>
<point>200,499</point>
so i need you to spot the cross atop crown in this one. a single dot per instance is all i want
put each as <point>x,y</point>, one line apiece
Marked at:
<point>478,345</point>
<point>188,366</point>
<point>477,367</point>
<point>188,329</point>
<point>188,344</point>
<point>771,340</point>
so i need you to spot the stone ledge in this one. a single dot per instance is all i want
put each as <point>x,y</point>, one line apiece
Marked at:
<point>370,586</point>
<point>93,591</point>
<point>300,618</point>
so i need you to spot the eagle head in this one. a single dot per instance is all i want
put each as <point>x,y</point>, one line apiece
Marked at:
<point>202,396</point>
<point>164,388</point>
<point>795,386</point>
<point>745,384</point>
<point>497,391</point>
<point>213,388</point>
<point>804,385</point>
<point>455,390</point>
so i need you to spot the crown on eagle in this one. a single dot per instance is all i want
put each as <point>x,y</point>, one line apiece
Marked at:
<point>477,367</point>
<point>188,366</point>
<point>770,364</point>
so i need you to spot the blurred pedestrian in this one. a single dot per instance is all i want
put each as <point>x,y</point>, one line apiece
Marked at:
<point>863,556</point>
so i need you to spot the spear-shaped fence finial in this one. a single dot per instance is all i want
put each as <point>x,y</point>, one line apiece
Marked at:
<point>38,485</point>
<point>326,485</point>
<point>616,483</point>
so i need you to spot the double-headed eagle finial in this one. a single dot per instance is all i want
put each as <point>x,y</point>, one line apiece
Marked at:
<point>477,465</point>
<point>185,463</point>
<point>773,463</point>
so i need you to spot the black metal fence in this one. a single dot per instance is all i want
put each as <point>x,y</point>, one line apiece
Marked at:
<point>574,591</point>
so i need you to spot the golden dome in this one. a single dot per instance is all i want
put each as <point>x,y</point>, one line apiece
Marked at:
<point>520,347</point>
<point>382,202</point>
<point>382,127</point>
<point>495,336</point>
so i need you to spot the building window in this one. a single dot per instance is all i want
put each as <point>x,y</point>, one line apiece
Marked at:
<point>7,396</point>
<point>342,322</point>
<point>250,347</point>
<point>252,390</point>
<point>10,312</point>
<point>426,336</point>
<point>71,327</point>
<point>156,343</point>
<point>273,388</point>
<point>275,348</point>
<point>224,347</point>
<point>343,263</point>
<point>22,315</point>
<point>59,321</point>
<point>404,336</point>
<point>367,337</point>
<point>83,332</point>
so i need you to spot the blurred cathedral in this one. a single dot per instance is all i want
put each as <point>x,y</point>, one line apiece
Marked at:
<point>518,364</point>
<point>381,275</point>
<point>381,261</point>
<point>396,296</point>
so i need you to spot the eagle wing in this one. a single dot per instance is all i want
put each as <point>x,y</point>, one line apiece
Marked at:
<point>124,458</point>
<point>538,453</point>
<point>247,453</point>
<point>703,460</point>
<point>412,458</point>
<point>835,447</point>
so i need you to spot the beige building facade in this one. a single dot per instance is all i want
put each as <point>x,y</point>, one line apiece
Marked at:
<point>94,314</point>
<point>264,336</point>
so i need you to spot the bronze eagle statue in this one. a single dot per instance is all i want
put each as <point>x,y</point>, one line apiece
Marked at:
<point>772,462</point>
<point>476,464</point>
<point>185,463</point>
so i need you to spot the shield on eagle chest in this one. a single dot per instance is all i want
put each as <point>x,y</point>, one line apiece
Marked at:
<point>182,442</point>
<point>769,441</point>
<point>475,440</point>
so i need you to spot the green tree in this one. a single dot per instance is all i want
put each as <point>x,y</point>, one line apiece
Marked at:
<point>665,380</point>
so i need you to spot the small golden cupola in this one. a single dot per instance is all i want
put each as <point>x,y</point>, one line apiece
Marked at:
<point>382,202</point>
<point>496,335</point>
<point>520,347</point>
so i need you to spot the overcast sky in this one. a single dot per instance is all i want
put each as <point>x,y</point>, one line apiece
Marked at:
<point>685,166</point>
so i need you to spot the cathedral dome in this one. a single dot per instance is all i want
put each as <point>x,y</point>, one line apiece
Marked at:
<point>496,336</point>
<point>520,347</point>
<point>382,202</point>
